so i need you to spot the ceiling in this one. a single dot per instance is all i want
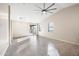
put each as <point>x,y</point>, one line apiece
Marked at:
<point>25,11</point>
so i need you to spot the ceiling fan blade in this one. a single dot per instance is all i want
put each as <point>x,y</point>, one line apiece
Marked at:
<point>38,7</point>
<point>52,9</point>
<point>36,10</point>
<point>44,5</point>
<point>50,6</point>
<point>49,12</point>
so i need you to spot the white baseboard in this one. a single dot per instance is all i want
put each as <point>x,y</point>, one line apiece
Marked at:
<point>68,41</point>
<point>63,40</point>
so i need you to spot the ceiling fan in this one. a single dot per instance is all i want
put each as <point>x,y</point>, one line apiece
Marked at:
<point>45,9</point>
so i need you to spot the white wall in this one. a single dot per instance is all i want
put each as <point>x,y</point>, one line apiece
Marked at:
<point>66,25</point>
<point>20,28</point>
<point>4,35</point>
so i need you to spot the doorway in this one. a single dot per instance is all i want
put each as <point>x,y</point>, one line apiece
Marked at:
<point>34,29</point>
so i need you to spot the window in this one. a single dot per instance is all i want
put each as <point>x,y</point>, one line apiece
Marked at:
<point>50,27</point>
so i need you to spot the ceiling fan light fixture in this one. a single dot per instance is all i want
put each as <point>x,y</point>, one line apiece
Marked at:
<point>47,10</point>
<point>44,12</point>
